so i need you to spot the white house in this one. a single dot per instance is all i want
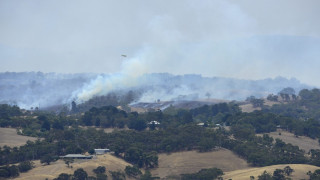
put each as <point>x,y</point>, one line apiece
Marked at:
<point>101,151</point>
<point>76,156</point>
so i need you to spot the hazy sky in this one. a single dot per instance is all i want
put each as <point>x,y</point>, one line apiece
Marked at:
<point>235,38</point>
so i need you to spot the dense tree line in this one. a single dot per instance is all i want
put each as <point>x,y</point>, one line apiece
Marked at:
<point>178,131</point>
<point>278,174</point>
<point>305,106</point>
<point>263,151</point>
<point>14,171</point>
<point>203,174</point>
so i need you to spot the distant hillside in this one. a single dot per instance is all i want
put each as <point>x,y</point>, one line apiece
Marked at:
<point>300,171</point>
<point>41,172</point>
<point>184,162</point>
<point>34,89</point>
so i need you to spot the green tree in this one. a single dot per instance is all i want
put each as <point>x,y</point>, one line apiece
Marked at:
<point>4,173</point>
<point>138,124</point>
<point>99,170</point>
<point>68,161</point>
<point>14,171</point>
<point>315,175</point>
<point>278,174</point>
<point>117,175</point>
<point>45,125</point>
<point>102,177</point>
<point>63,176</point>
<point>80,174</point>
<point>265,176</point>
<point>48,158</point>
<point>146,176</point>
<point>203,174</point>
<point>132,171</point>
<point>288,170</point>
<point>25,166</point>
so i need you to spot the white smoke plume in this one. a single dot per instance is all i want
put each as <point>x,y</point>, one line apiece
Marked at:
<point>128,77</point>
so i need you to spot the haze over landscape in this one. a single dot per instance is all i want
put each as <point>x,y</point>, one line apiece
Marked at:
<point>125,40</point>
<point>239,39</point>
<point>170,90</point>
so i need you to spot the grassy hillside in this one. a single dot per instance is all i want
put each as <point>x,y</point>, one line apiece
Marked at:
<point>300,171</point>
<point>41,172</point>
<point>303,142</point>
<point>9,137</point>
<point>193,161</point>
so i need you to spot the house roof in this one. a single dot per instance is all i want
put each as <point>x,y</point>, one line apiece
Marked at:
<point>75,156</point>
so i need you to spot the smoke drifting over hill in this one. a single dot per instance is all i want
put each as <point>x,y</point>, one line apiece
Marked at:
<point>214,38</point>
<point>224,38</point>
<point>38,89</point>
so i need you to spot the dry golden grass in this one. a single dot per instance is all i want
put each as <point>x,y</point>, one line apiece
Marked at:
<point>41,172</point>
<point>248,108</point>
<point>300,171</point>
<point>9,137</point>
<point>270,103</point>
<point>193,161</point>
<point>303,142</point>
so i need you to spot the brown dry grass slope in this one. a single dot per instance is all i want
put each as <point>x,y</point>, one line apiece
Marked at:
<point>249,107</point>
<point>303,142</point>
<point>193,161</point>
<point>300,171</point>
<point>53,170</point>
<point>9,137</point>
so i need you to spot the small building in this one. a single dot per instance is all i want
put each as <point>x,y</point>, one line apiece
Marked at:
<point>200,124</point>
<point>76,156</point>
<point>101,151</point>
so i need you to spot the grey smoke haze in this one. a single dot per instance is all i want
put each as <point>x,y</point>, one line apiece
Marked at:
<point>34,89</point>
<point>225,38</point>
<point>230,38</point>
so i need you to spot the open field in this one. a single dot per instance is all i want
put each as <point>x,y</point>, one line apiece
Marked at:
<point>53,170</point>
<point>303,142</point>
<point>193,161</point>
<point>300,171</point>
<point>9,137</point>
<point>248,108</point>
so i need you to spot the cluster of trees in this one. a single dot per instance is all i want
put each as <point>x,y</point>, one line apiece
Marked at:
<point>14,171</point>
<point>256,102</point>
<point>178,130</point>
<point>278,174</point>
<point>131,143</point>
<point>207,112</point>
<point>133,171</point>
<point>81,174</point>
<point>265,122</point>
<point>204,174</point>
<point>107,116</point>
<point>314,175</point>
<point>305,106</point>
<point>7,113</point>
<point>142,159</point>
<point>112,99</point>
<point>262,151</point>
<point>100,174</point>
